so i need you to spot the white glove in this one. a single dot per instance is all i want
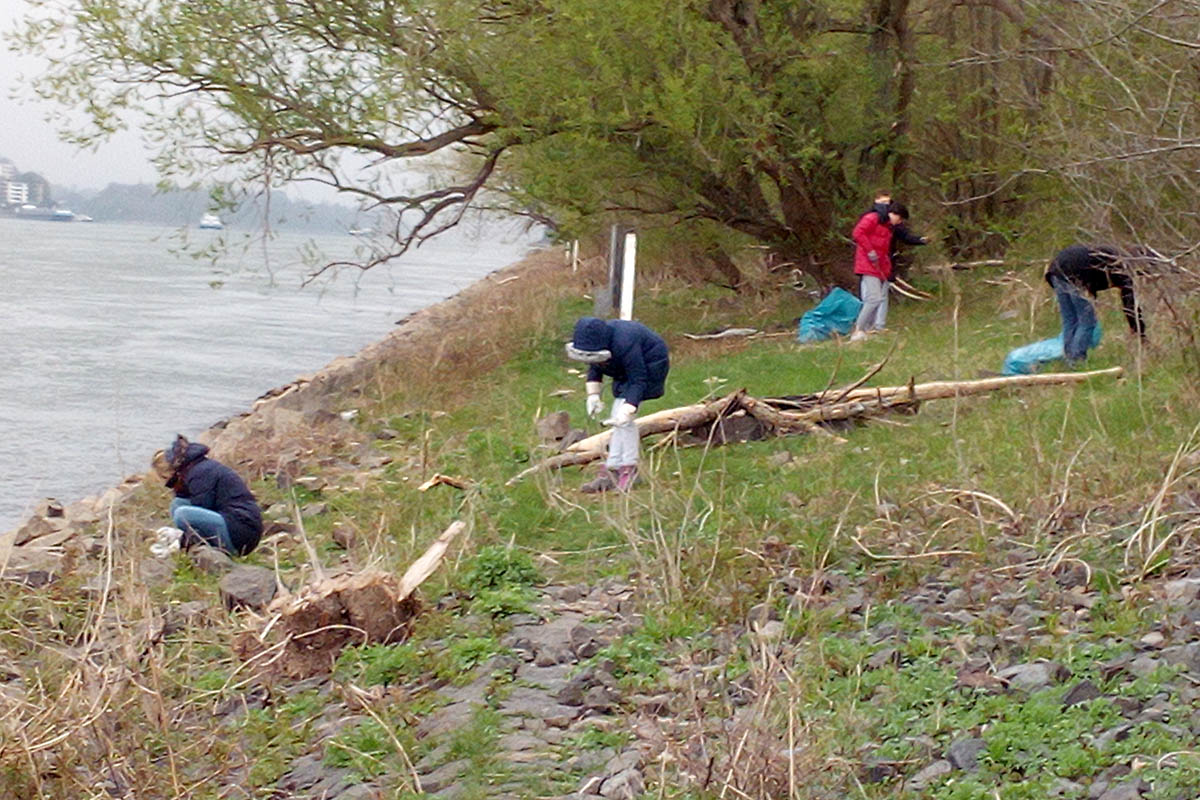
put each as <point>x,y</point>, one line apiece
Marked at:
<point>623,413</point>
<point>167,542</point>
<point>873,257</point>
<point>595,405</point>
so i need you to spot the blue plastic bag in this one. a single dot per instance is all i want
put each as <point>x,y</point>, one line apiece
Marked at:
<point>1030,358</point>
<point>834,314</point>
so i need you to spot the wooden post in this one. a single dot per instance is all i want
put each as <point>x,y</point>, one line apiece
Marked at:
<point>616,266</point>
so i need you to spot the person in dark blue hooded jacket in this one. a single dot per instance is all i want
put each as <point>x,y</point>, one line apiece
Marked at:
<point>637,360</point>
<point>212,503</point>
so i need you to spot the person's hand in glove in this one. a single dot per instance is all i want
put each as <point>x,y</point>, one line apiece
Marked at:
<point>595,405</point>
<point>623,413</point>
<point>873,257</point>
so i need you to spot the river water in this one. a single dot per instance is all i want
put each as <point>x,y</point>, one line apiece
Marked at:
<point>113,340</point>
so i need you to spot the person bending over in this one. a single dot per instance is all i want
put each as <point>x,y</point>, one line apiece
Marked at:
<point>637,360</point>
<point>212,503</point>
<point>1077,273</point>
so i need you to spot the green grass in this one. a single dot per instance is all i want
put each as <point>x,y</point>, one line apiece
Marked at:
<point>711,534</point>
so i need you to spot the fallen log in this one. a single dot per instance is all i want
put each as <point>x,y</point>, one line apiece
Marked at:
<point>682,418</point>
<point>937,390</point>
<point>849,404</point>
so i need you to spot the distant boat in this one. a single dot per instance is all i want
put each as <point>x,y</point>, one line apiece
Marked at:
<point>28,211</point>
<point>211,222</point>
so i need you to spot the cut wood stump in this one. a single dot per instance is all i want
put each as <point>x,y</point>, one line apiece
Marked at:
<point>306,631</point>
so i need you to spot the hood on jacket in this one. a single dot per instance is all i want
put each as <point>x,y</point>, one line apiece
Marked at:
<point>591,342</point>
<point>182,452</point>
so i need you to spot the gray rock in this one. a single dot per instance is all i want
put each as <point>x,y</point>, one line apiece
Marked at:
<point>553,427</point>
<point>313,509</point>
<point>600,698</point>
<point>625,785</point>
<point>1068,790</point>
<point>957,598</point>
<point>444,775</point>
<point>1130,790</point>
<point>569,594</point>
<point>589,760</point>
<point>1184,655</point>
<point>1081,692</point>
<point>1182,593</point>
<point>628,759</point>
<point>529,703</point>
<point>572,694</point>
<point>1024,615</point>
<point>1031,677</point>
<point>1118,734</point>
<point>343,536</point>
<point>211,560</point>
<point>551,655</point>
<point>520,741</point>
<point>923,779</point>
<point>184,616</point>
<point>445,720</point>
<point>762,613</point>
<point>361,791</point>
<point>882,658</point>
<point>964,753</point>
<point>248,587</point>
<point>1144,666</point>
<point>584,641</point>
<point>305,772</point>
<point>156,572</point>
<point>781,459</point>
<point>961,617</point>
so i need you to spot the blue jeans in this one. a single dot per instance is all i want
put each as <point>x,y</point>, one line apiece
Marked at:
<point>1078,319</point>
<point>209,526</point>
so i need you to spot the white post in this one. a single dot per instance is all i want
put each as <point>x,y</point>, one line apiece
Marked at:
<point>627,276</point>
<point>574,255</point>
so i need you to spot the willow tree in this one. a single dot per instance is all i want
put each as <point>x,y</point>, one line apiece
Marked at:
<point>768,121</point>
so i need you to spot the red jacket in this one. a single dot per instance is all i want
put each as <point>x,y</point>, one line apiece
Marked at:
<point>872,235</point>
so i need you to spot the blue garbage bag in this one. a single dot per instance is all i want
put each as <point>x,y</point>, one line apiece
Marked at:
<point>836,313</point>
<point>1029,358</point>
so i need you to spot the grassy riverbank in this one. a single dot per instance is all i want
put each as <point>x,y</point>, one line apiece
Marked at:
<point>825,619</point>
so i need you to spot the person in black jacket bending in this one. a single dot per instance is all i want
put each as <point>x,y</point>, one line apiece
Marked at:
<point>1092,268</point>
<point>637,360</point>
<point>212,503</point>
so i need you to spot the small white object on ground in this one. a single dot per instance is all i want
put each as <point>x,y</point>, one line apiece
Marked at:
<point>167,542</point>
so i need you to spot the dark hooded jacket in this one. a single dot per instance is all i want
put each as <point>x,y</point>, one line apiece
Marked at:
<point>639,362</point>
<point>1095,268</point>
<point>212,485</point>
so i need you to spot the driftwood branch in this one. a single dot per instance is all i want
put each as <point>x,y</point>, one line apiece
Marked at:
<point>806,414</point>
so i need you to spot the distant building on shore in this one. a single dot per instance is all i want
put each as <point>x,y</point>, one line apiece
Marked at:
<point>19,189</point>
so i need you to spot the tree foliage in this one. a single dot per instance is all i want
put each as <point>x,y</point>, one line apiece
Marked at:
<point>729,121</point>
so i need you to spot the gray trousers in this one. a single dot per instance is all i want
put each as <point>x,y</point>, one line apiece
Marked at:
<point>874,295</point>
<point>624,446</point>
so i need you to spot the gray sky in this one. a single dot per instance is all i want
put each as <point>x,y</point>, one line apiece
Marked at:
<point>32,144</point>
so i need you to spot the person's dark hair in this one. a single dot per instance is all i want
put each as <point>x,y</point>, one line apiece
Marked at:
<point>899,209</point>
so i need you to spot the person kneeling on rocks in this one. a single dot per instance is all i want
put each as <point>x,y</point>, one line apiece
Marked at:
<point>637,360</point>
<point>212,503</point>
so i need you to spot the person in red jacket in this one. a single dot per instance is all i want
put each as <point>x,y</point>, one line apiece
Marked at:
<point>872,237</point>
